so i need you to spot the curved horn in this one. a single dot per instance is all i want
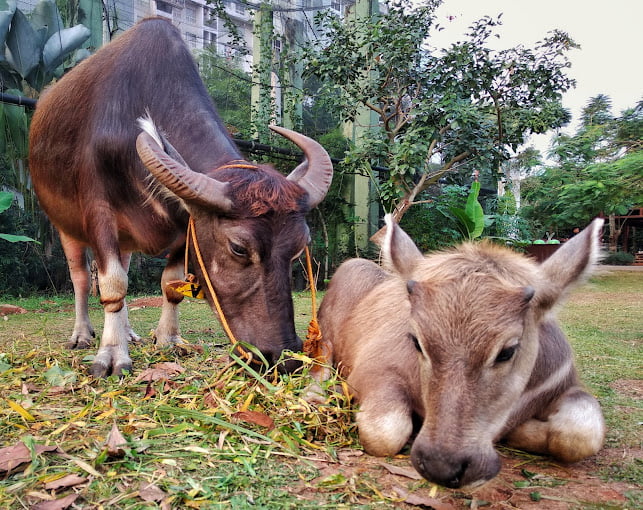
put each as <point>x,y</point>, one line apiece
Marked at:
<point>176,176</point>
<point>316,172</point>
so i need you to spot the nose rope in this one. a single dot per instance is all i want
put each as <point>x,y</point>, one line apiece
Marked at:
<point>312,344</point>
<point>226,327</point>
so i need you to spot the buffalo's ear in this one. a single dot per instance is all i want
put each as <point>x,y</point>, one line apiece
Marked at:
<point>399,253</point>
<point>571,264</point>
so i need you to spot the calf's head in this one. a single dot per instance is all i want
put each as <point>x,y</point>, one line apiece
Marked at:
<point>250,225</point>
<point>475,314</point>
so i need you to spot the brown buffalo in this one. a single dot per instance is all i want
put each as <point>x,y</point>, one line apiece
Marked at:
<point>249,219</point>
<point>463,345</point>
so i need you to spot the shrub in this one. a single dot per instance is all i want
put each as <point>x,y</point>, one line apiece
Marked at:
<point>619,258</point>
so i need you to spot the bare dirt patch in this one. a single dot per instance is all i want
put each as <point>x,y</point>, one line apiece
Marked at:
<point>525,482</point>
<point>146,302</point>
<point>632,388</point>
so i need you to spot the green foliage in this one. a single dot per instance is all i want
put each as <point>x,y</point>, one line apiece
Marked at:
<point>6,199</point>
<point>13,129</point>
<point>619,258</point>
<point>466,105</point>
<point>230,89</point>
<point>471,219</point>
<point>35,46</point>
<point>598,171</point>
<point>430,224</point>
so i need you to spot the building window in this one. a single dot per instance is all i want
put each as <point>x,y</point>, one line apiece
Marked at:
<point>190,15</point>
<point>163,7</point>
<point>190,39</point>
<point>240,8</point>
<point>209,38</point>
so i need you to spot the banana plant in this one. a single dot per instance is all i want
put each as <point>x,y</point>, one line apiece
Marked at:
<point>34,47</point>
<point>6,199</point>
<point>472,219</point>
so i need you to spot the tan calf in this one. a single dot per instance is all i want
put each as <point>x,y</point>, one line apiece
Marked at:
<point>464,345</point>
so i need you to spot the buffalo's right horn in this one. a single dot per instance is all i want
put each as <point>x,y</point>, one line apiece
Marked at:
<point>315,173</point>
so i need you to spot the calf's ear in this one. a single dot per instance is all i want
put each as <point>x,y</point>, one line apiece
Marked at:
<point>399,253</point>
<point>571,264</point>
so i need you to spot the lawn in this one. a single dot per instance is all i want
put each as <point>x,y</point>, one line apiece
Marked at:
<point>191,429</point>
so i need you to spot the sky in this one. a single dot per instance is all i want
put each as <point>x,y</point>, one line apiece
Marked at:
<point>610,34</point>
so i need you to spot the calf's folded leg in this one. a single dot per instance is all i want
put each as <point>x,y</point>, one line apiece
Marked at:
<point>384,421</point>
<point>574,428</point>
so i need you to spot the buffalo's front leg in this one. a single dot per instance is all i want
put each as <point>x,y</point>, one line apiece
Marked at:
<point>75,252</point>
<point>167,332</point>
<point>574,428</point>
<point>113,354</point>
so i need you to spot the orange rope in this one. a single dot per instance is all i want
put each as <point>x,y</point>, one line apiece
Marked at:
<point>312,344</point>
<point>226,327</point>
<point>242,164</point>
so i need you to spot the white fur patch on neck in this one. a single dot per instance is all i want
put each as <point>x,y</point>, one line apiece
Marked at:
<point>147,124</point>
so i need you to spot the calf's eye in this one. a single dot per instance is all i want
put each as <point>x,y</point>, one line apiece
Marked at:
<point>416,342</point>
<point>506,354</point>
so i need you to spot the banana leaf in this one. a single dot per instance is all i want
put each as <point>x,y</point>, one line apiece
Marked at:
<point>46,15</point>
<point>472,218</point>
<point>7,9</point>
<point>61,43</point>
<point>24,44</point>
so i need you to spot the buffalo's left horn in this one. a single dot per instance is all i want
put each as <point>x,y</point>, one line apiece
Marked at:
<point>176,176</point>
<point>315,173</point>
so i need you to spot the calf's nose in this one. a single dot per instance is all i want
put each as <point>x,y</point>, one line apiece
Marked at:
<point>454,469</point>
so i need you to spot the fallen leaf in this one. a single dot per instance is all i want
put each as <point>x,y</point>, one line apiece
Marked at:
<point>70,480</point>
<point>21,410</point>
<point>11,309</point>
<point>402,471</point>
<point>85,467</point>
<point>186,349</point>
<point>56,376</point>
<point>210,400</point>
<point>150,392</point>
<point>150,492</point>
<point>115,443</point>
<point>58,390</point>
<point>165,370</point>
<point>13,458</point>
<point>56,504</point>
<point>424,501</point>
<point>261,419</point>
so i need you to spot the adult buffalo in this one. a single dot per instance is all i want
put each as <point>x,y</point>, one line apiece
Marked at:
<point>109,187</point>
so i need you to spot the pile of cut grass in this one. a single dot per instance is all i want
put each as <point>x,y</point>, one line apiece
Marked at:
<point>204,430</point>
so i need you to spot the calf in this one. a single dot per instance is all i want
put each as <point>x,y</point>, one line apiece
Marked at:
<point>465,343</point>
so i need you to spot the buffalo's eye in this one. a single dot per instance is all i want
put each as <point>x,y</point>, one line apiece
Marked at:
<point>416,342</point>
<point>238,250</point>
<point>506,354</point>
